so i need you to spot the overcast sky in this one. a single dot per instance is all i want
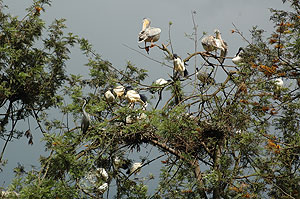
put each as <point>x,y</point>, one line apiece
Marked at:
<point>109,24</point>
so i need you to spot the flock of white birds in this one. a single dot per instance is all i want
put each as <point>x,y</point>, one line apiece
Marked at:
<point>151,34</point>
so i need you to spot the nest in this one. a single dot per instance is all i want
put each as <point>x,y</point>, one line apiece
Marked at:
<point>209,130</point>
<point>207,135</point>
<point>135,139</point>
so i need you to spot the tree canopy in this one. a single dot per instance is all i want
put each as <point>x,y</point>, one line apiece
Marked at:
<point>224,130</point>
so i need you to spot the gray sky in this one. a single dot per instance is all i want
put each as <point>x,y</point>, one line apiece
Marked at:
<point>109,24</point>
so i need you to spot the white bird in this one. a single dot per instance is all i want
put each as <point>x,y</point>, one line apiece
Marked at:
<point>117,161</point>
<point>158,82</point>
<point>109,96</point>
<point>149,34</point>
<point>211,43</point>
<point>278,83</point>
<point>132,96</point>
<point>130,120</point>
<point>223,44</point>
<point>161,81</point>
<point>278,86</point>
<point>136,168</point>
<point>101,173</point>
<point>119,91</point>
<point>103,187</point>
<point>179,65</point>
<point>204,77</point>
<point>238,59</point>
<point>86,119</point>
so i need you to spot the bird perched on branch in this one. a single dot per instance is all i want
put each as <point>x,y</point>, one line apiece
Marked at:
<point>130,119</point>
<point>179,65</point>
<point>103,187</point>
<point>113,93</point>
<point>161,81</point>
<point>149,34</point>
<point>204,77</point>
<point>109,96</point>
<point>86,119</point>
<point>132,96</point>
<point>278,83</point>
<point>119,91</point>
<point>211,43</point>
<point>101,173</point>
<point>223,45</point>
<point>136,168</point>
<point>238,59</point>
<point>278,86</point>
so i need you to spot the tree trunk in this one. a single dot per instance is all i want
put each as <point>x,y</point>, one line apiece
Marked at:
<point>217,157</point>
<point>199,179</point>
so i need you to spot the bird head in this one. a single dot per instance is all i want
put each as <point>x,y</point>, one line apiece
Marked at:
<point>143,98</point>
<point>86,99</point>
<point>175,56</point>
<point>240,51</point>
<point>217,31</point>
<point>146,23</point>
<point>127,88</point>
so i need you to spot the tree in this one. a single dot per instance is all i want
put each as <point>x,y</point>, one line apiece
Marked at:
<point>32,61</point>
<point>235,138</point>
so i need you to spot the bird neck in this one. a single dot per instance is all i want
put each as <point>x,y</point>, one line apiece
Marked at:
<point>218,36</point>
<point>146,24</point>
<point>83,108</point>
<point>239,52</point>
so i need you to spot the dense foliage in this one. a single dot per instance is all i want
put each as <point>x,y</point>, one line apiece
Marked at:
<point>237,137</point>
<point>32,63</point>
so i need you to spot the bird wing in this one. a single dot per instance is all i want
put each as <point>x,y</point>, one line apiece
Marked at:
<point>119,91</point>
<point>132,95</point>
<point>109,96</point>
<point>179,65</point>
<point>237,59</point>
<point>218,44</point>
<point>209,43</point>
<point>85,123</point>
<point>153,31</point>
<point>149,34</point>
<point>161,81</point>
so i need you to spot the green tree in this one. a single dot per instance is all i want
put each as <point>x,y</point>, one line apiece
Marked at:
<point>235,138</point>
<point>32,64</point>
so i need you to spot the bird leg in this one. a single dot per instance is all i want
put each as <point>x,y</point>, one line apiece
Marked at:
<point>146,48</point>
<point>131,105</point>
<point>152,44</point>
